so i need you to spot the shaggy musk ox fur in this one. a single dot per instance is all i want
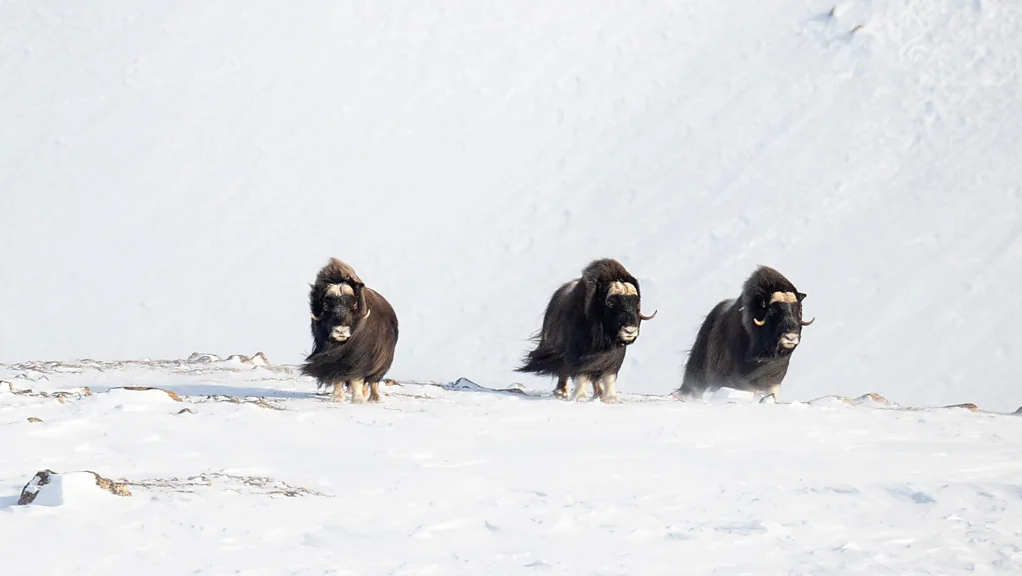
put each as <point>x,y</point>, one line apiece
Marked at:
<point>746,343</point>
<point>354,333</point>
<point>588,324</point>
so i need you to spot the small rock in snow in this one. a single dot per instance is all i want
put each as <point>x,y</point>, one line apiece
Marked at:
<point>49,488</point>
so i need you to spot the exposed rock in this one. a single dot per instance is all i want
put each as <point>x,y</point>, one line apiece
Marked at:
<point>219,480</point>
<point>173,395</point>
<point>60,395</point>
<point>186,411</point>
<point>830,399</point>
<point>872,397</point>
<point>967,405</point>
<point>111,486</point>
<point>258,401</point>
<point>31,490</point>
<point>259,359</point>
<point>34,420</point>
<point>464,384</point>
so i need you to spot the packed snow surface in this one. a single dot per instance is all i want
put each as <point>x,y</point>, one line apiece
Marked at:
<point>173,177</point>
<point>242,469</point>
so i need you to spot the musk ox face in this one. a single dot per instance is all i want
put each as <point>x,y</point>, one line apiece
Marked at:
<point>340,311</point>
<point>621,314</point>
<point>777,321</point>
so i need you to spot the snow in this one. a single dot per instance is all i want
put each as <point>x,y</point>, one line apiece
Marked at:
<point>174,177</point>
<point>453,478</point>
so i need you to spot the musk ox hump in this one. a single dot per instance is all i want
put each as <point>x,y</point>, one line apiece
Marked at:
<point>337,272</point>
<point>767,280</point>
<point>606,270</point>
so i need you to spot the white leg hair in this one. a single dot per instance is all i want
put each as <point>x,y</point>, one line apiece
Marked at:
<point>609,392</point>
<point>580,387</point>
<point>561,390</point>
<point>338,393</point>
<point>358,391</point>
<point>374,391</point>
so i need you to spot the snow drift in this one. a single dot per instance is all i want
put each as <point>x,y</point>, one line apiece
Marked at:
<point>227,467</point>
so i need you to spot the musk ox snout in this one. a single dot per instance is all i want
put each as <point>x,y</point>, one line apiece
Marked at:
<point>790,339</point>
<point>628,334</point>
<point>340,333</point>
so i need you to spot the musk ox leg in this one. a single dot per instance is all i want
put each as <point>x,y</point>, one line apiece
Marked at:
<point>774,391</point>
<point>580,387</point>
<point>692,388</point>
<point>608,383</point>
<point>338,393</point>
<point>374,391</point>
<point>358,391</point>
<point>561,390</point>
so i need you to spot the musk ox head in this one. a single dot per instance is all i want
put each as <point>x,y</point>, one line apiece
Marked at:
<point>772,313</point>
<point>612,298</point>
<point>337,301</point>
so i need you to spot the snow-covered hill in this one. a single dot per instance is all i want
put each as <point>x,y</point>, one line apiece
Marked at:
<point>173,176</point>
<point>227,468</point>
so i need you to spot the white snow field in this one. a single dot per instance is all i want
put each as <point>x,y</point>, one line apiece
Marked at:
<point>172,176</point>
<point>243,471</point>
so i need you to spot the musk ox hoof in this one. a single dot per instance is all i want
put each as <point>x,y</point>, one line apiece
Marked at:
<point>561,393</point>
<point>610,399</point>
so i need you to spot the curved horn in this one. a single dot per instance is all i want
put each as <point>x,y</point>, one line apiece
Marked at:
<point>368,312</point>
<point>360,297</point>
<point>758,322</point>
<point>314,317</point>
<point>809,323</point>
<point>644,317</point>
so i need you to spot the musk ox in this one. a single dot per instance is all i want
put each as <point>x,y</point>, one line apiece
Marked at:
<point>587,327</point>
<point>354,333</point>
<point>746,343</point>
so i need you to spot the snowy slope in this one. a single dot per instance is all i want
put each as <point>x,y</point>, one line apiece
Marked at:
<point>459,480</point>
<point>174,176</point>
